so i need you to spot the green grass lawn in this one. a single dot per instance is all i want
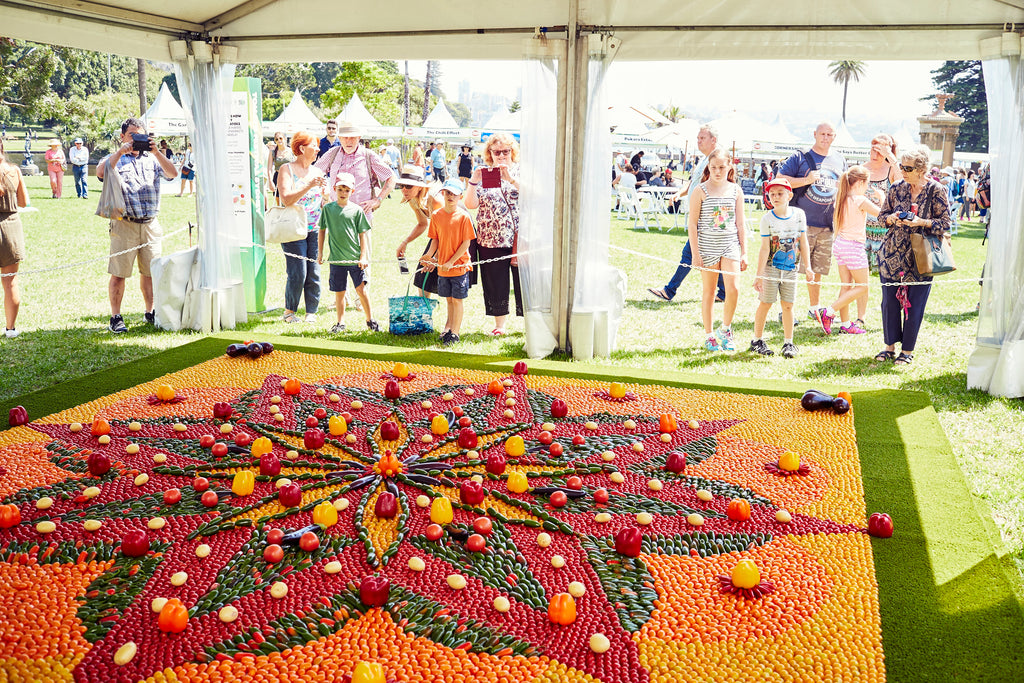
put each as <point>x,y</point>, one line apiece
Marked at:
<point>65,312</point>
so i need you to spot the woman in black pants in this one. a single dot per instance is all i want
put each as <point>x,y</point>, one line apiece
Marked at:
<point>497,226</point>
<point>916,205</point>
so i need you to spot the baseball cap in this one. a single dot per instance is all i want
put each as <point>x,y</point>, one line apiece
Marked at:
<point>346,179</point>
<point>391,141</point>
<point>778,182</point>
<point>453,186</point>
<point>947,171</point>
<point>77,140</point>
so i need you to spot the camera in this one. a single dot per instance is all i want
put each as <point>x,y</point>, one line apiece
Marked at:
<point>141,142</point>
<point>904,215</point>
<point>403,266</point>
<point>490,177</point>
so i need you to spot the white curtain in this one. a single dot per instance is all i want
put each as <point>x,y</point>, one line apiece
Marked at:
<point>599,290</point>
<point>537,190</point>
<point>997,363</point>
<point>205,85</point>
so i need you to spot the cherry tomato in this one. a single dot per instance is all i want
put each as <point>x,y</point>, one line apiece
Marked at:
<point>433,532</point>
<point>465,421</point>
<point>601,496</point>
<point>457,410</point>
<point>207,440</point>
<point>320,413</point>
<point>273,553</point>
<point>476,543</point>
<point>172,496</point>
<point>559,499</point>
<point>200,483</point>
<point>556,449</point>
<point>312,421</point>
<point>275,536</point>
<point>482,525</point>
<point>347,417</point>
<point>309,542</point>
<point>574,483</point>
<point>219,449</point>
<point>210,499</point>
<point>578,440</point>
<point>242,439</point>
<point>545,438</point>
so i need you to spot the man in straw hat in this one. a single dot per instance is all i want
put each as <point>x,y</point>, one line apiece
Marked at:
<point>373,178</point>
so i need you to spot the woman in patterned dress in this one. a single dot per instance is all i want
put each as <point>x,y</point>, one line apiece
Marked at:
<point>299,182</point>
<point>883,173</point>
<point>497,227</point>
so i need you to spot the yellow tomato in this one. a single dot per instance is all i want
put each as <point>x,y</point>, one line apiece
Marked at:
<point>746,574</point>
<point>165,392</point>
<point>617,390</point>
<point>401,370</point>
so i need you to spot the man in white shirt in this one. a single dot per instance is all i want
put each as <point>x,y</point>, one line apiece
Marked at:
<point>392,156</point>
<point>79,158</point>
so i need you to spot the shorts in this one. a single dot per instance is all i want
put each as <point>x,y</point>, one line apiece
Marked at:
<point>850,253</point>
<point>717,245</point>
<point>125,235</point>
<point>774,290</point>
<point>454,286</point>
<point>187,173</point>
<point>340,275</point>
<point>12,240</point>
<point>819,240</point>
<point>439,173</point>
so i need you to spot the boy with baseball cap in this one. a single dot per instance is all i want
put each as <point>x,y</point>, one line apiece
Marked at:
<point>783,249</point>
<point>346,230</point>
<point>450,232</point>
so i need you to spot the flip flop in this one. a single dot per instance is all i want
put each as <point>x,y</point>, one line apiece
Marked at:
<point>659,293</point>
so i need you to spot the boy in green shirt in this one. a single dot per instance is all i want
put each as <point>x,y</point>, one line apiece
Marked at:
<point>347,232</point>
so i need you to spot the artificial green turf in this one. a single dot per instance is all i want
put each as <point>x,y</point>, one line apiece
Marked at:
<point>949,611</point>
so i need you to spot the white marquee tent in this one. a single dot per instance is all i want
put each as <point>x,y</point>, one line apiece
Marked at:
<point>356,112</point>
<point>567,46</point>
<point>165,116</point>
<point>440,117</point>
<point>295,117</point>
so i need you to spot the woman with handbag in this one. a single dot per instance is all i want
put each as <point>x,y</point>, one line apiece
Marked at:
<point>187,171</point>
<point>416,193</point>
<point>299,183</point>
<point>497,225</point>
<point>918,205</point>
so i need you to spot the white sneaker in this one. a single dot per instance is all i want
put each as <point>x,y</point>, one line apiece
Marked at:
<point>310,318</point>
<point>11,334</point>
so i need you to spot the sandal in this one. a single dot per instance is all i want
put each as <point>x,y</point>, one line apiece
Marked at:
<point>884,356</point>
<point>290,318</point>
<point>904,358</point>
<point>660,293</point>
<point>498,333</point>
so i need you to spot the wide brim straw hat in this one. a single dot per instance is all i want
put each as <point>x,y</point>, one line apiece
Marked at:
<point>412,176</point>
<point>54,143</point>
<point>347,129</point>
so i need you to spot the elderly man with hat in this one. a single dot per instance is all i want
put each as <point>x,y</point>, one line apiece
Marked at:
<point>373,178</point>
<point>55,163</point>
<point>79,158</point>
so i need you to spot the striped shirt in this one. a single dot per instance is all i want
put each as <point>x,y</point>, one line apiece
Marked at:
<point>140,176</point>
<point>355,164</point>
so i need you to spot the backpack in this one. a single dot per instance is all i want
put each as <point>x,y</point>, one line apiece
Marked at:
<point>797,191</point>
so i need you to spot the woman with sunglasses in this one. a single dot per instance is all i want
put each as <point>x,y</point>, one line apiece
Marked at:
<point>279,155</point>
<point>497,229</point>
<point>917,205</point>
<point>883,173</point>
<point>416,193</point>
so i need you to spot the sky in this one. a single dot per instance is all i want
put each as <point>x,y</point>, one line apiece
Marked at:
<point>888,94</point>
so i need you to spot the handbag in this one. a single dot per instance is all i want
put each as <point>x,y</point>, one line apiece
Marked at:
<point>933,254</point>
<point>111,204</point>
<point>285,224</point>
<point>410,314</point>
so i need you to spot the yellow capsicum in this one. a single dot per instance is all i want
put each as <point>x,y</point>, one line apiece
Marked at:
<point>517,482</point>
<point>243,483</point>
<point>337,425</point>
<point>260,446</point>
<point>441,511</point>
<point>368,672</point>
<point>325,515</point>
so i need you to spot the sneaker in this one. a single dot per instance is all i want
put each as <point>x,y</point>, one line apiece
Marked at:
<point>852,328</point>
<point>859,322</point>
<point>758,346</point>
<point>373,325</point>
<point>711,343</point>
<point>789,350</point>
<point>117,325</point>
<point>450,339</point>
<point>151,317</point>
<point>726,341</point>
<point>310,318</point>
<point>796,321</point>
<point>338,328</point>
<point>826,320</point>
<point>812,314</point>
<point>11,334</point>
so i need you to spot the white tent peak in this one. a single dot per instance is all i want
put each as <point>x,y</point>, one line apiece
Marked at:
<point>440,117</point>
<point>356,112</point>
<point>165,116</point>
<point>843,137</point>
<point>297,116</point>
<point>505,120</point>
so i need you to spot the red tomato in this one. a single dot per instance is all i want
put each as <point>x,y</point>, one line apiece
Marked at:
<point>273,553</point>
<point>320,413</point>
<point>545,438</point>
<point>434,532</point>
<point>476,543</point>
<point>559,499</point>
<point>312,421</point>
<point>347,417</point>
<point>242,439</point>
<point>200,483</point>
<point>275,536</point>
<point>578,440</point>
<point>482,525</point>
<point>465,421</point>
<point>309,542</point>
<point>556,449</point>
<point>207,440</point>
<point>457,410</point>
<point>574,482</point>
<point>601,496</point>
<point>210,499</point>
<point>219,449</point>
<point>172,496</point>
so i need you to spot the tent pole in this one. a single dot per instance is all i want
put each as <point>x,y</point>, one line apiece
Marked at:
<point>562,258</point>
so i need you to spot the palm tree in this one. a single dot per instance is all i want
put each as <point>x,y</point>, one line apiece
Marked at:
<point>427,85</point>
<point>672,112</point>
<point>405,105</point>
<point>843,72</point>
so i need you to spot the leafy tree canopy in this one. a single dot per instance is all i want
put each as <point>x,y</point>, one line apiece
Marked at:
<point>966,81</point>
<point>25,70</point>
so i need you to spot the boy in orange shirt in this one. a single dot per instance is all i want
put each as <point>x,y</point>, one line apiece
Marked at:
<point>450,232</point>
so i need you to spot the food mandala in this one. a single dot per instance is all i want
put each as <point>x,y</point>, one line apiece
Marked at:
<point>456,532</point>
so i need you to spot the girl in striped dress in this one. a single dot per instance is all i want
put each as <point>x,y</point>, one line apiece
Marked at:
<point>719,243</point>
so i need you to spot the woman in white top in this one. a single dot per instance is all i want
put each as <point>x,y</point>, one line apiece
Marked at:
<point>626,179</point>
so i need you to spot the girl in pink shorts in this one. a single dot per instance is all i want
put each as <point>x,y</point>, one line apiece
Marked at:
<point>852,210</point>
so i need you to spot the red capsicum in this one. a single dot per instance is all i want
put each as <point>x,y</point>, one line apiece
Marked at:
<point>374,591</point>
<point>222,411</point>
<point>471,492</point>
<point>17,416</point>
<point>386,505</point>
<point>313,439</point>
<point>391,390</point>
<point>628,542</point>
<point>98,463</point>
<point>270,465</point>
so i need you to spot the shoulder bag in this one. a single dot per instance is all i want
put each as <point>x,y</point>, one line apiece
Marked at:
<point>111,204</point>
<point>285,223</point>
<point>933,254</point>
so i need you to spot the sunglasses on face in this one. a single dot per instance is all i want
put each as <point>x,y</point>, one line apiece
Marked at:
<point>907,169</point>
<point>501,152</point>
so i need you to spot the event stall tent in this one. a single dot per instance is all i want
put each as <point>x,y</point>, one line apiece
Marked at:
<point>165,116</point>
<point>295,117</point>
<point>566,70</point>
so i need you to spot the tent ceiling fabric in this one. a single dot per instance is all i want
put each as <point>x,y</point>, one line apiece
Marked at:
<point>312,30</point>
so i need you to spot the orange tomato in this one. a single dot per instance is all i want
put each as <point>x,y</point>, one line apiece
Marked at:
<point>100,427</point>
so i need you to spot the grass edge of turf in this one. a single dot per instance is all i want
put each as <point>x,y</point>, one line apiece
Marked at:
<point>927,632</point>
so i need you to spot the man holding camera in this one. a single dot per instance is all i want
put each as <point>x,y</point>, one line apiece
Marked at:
<point>140,172</point>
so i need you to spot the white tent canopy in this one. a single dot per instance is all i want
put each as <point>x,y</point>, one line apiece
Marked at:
<point>503,120</point>
<point>295,117</point>
<point>165,116</point>
<point>440,117</point>
<point>356,112</point>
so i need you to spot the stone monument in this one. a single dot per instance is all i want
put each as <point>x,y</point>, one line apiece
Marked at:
<point>28,167</point>
<point>940,129</point>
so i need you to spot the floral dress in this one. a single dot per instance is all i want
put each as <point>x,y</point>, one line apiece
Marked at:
<point>498,215</point>
<point>312,202</point>
<point>875,230</point>
<point>896,256</point>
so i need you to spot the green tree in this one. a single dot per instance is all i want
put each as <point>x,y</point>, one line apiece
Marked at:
<point>88,75</point>
<point>966,82</point>
<point>379,85</point>
<point>461,113</point>
<point>672,112</point>
<point>25,71</point>
<point>280,78</point>
<point>844,71</point>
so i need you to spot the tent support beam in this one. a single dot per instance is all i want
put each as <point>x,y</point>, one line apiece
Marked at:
<point>804,28</point>
<point>80,9</point>
<point>236,12</point>
<point>552,31</point>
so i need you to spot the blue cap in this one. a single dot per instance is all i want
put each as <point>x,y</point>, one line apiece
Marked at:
<point>453,186</point>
